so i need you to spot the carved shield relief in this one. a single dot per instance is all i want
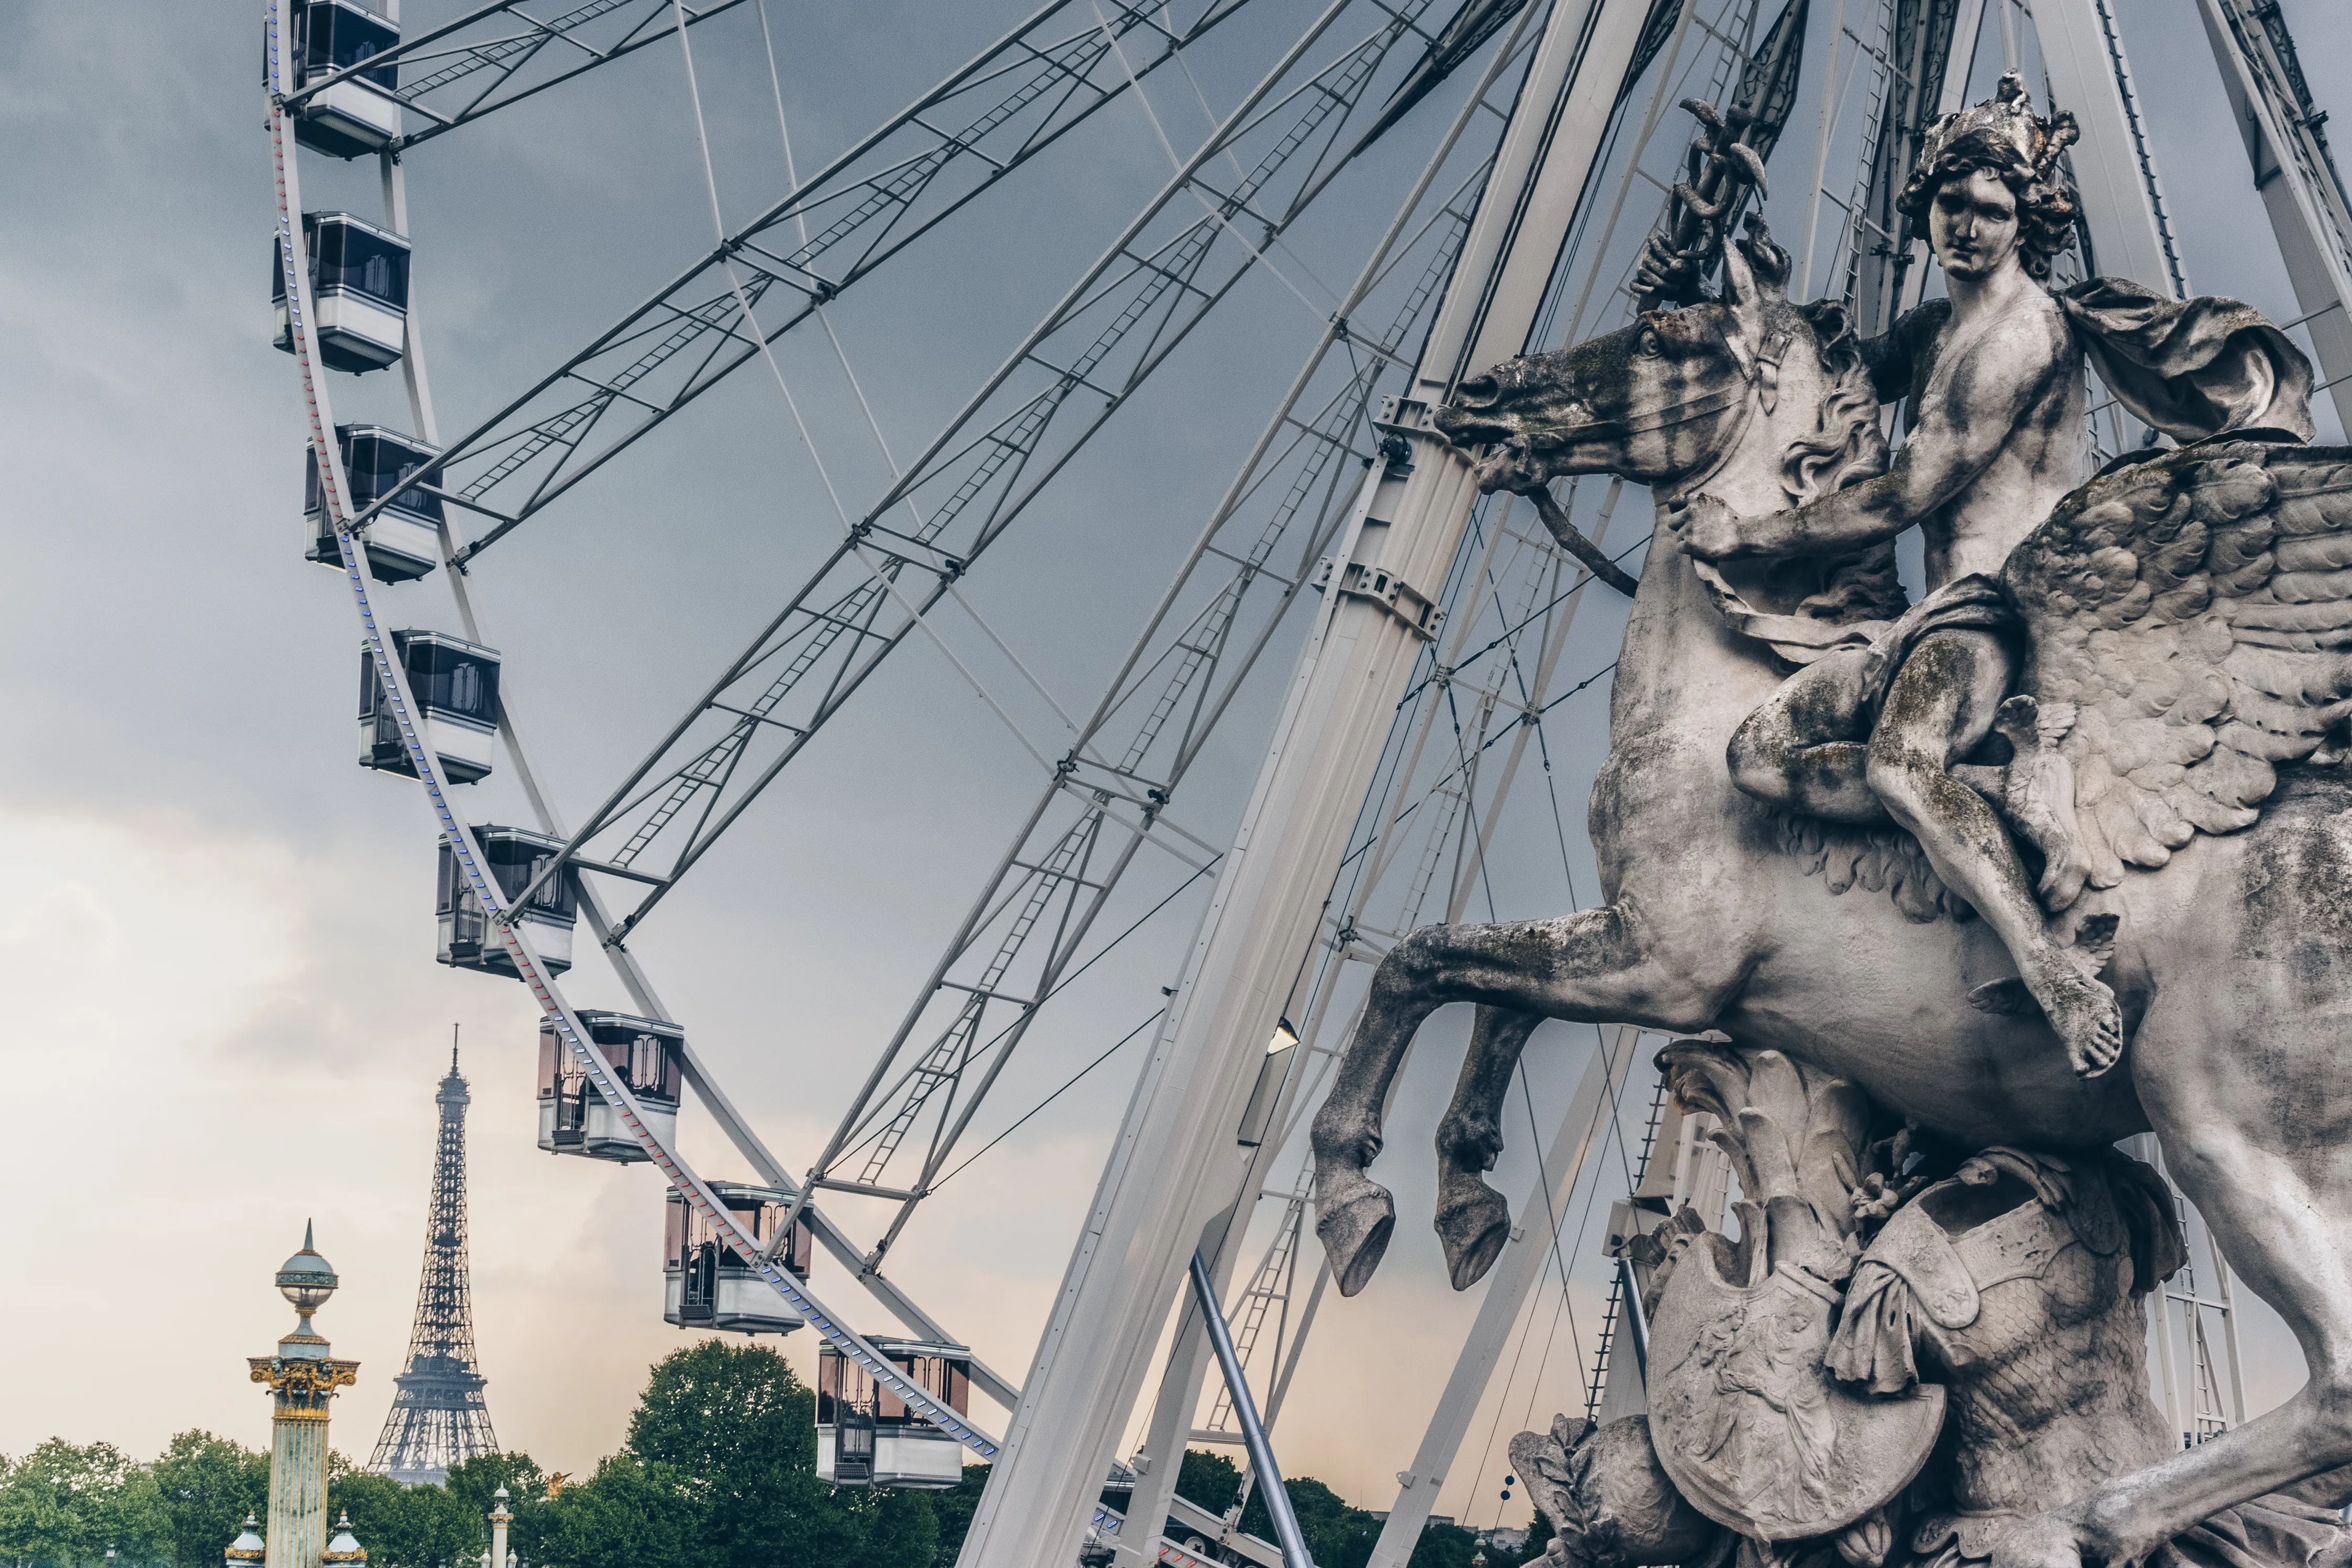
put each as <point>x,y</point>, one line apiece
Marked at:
<point>1750,1426</point>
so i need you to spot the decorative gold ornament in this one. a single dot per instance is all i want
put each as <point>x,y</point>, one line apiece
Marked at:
<point>300,1377</point>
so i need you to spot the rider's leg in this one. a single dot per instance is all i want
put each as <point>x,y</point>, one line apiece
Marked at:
<point>1939,706</point>
<point>1805,750</point>
<point>1473,1219</point>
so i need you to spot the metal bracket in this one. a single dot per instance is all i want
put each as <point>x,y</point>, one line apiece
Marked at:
<point>1420,613</point>
<point>1405,416</point>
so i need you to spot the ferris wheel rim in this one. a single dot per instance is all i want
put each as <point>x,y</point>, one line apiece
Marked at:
<point>393,677</point>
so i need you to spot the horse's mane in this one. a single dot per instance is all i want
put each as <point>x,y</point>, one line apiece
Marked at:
<point>1846,445</point>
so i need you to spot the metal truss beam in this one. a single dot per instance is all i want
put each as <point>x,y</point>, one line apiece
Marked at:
<point>500,53</point>
<point>1176,261</point>
<point>2296,172</point>
<point>1175,1176</point>
<point>1018,97</point>
<point>1535,1240</point>
<point>1887,245</point>
<point>1155,716</point>
<point>2123,205</point>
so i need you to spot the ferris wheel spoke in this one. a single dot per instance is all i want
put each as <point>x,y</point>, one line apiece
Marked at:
<point>1156,715</point>
<point>1113,330</point>
<point>1012,102</point>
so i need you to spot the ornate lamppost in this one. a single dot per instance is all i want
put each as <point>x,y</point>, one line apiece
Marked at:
<point>302,1377</point>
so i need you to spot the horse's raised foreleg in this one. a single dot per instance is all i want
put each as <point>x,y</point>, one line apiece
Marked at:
<point>1473,1219</point>
<point>1596,966</point>
<point>2247,1096</point>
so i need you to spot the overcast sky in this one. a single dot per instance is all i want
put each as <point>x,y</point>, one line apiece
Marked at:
<point>218,939</point>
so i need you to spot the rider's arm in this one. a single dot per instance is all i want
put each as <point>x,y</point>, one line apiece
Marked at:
<point>1971,407</point>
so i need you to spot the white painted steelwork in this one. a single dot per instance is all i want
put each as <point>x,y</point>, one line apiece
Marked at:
<point>1175,1168</point>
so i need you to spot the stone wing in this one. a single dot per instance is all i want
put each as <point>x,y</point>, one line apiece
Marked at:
<point>2191,616</point>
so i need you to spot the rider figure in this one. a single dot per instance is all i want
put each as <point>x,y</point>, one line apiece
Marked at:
<point>1869,735</point>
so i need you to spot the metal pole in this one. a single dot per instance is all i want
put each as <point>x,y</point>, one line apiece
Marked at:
<point>1261,1452</point>
<point>2115,169</point>
<point>1533,1241</point>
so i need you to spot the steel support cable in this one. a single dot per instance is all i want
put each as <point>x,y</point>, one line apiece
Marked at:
<point>819,633</point>
<point>1118,691</point>
<point>767,352</point>
<point>886,220</point>
<point>393,684</point>
<point>1113,697</point>
<point>1048,876</point>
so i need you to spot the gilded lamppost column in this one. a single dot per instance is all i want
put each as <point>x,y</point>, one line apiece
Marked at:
<point>501,1517</point>
<point>302,1377</point>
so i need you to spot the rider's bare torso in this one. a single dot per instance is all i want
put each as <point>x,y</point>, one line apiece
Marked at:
<point>2045,455</point>
<point>1994,379</point>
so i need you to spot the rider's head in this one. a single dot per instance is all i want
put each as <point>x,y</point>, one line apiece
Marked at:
<point>1989,186</point>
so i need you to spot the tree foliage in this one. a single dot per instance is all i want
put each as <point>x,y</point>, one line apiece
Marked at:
<point>718,1470</point>
<point>208,1485</point>
<point>1337,1535</point>
<point>66,1504</point>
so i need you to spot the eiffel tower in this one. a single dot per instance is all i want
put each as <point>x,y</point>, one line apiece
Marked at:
<point>438,1417</point>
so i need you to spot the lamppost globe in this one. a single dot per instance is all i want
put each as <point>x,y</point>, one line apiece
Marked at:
<point>307,1280</point>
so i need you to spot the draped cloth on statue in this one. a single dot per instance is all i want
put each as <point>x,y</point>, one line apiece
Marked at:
<point>2192,368</point>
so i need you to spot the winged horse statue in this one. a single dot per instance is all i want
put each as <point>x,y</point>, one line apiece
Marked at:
<point>2187,627</point>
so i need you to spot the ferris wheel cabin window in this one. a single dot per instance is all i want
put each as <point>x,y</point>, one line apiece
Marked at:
<point>573,1116</point>
<point>455,687</point>
<point>359,291</point>
<point>358,114</point>
<point>515,856</point>
<point>336,35</point>
<point>707,1284</point>
<point>401,542</point>
<point>866,1435</point>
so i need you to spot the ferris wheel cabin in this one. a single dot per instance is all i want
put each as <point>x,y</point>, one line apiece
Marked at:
<point>513,856</point>
<point>866,1435</point>
<point>574,1118</point>
<point>358,113</point>
<point>359,291</point>
<point>706,1284</point>
<point>404,540</point>
<point>455,687</point>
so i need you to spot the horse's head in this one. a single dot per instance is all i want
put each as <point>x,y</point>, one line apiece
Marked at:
<point>1670,400</point>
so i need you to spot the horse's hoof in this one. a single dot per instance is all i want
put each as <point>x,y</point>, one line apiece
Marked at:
<point>1355,1227</point>
<point>1474,1227</point>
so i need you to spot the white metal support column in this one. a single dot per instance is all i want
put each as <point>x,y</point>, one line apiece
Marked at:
<point>1175,1167</point>
<point>2297,182</point>
<point>1514,1277</point>
<point>2114,170</point>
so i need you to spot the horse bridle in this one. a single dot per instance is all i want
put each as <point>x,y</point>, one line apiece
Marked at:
<point>1760,373</point>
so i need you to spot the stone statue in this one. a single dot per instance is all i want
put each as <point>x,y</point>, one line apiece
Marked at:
<point>2151,684</point>
<point>2007,1284</point>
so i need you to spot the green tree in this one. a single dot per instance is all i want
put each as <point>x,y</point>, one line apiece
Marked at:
<point>1337,1535</point>
<point>739,1428</point>
<point>407,1526</point>
<point>633,1513</point>
<point>66,1504</point>
<point>1209,1480</point>
<point>208,1485</point>
<point>953,1511</point>
<point>473,1482</point>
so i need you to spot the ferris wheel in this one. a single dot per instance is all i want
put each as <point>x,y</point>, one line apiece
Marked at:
<point>1424,738</point>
